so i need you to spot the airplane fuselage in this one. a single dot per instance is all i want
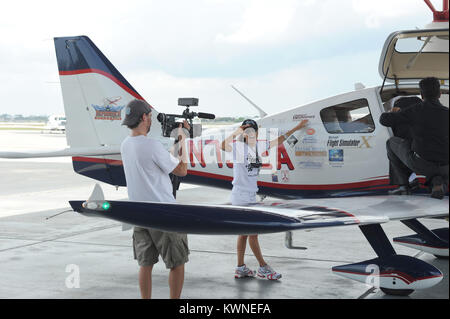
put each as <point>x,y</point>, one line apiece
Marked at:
<point>341,153</point>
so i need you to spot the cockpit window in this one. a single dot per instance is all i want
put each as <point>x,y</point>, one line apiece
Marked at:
<point>350,117</point>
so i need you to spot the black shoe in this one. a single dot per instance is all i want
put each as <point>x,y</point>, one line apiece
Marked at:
<point>402,190</point>
<point>438,191</point>
<point>415,184</point>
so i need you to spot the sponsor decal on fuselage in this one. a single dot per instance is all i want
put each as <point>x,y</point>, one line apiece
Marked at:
<point>284,175</point>
<point>292,140</point>
<point>343,142</point>
<point>275,177</point>
<point>310,131</point>
<point>310,140</point>
<point>310,165</point>
<point>303,116</point>
<point>311,153</point>
<point>310,157</point>
<point>335,141</point>
<point>336,155</point>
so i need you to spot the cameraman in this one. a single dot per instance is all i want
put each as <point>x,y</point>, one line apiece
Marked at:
<point>147,165</point>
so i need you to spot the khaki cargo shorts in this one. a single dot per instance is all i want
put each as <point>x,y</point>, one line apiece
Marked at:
<point>149,243</point>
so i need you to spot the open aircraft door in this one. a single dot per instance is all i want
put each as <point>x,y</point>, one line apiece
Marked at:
<point>409,56</point>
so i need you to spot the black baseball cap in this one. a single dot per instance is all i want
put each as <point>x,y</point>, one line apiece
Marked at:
<point>252,123</point>
<point>134,111</point>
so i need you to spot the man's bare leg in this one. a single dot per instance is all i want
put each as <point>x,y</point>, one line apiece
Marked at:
<point>145,281</point>
<point>176,280</point>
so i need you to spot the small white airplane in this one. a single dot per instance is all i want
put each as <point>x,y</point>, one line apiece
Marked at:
<point>56,123</point>
<point>335,173</point>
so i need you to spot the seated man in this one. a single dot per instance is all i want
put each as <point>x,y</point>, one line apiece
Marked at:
<point>403,130</point>
<point>427,152</point>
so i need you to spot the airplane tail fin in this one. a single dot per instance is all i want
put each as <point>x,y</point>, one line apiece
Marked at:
<point>94,93</point>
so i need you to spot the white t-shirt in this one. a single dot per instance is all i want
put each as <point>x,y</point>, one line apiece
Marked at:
<point>245,177</point>
<point>147,165</point>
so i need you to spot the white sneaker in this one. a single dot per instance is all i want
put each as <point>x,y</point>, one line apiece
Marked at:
<point>243,271</point>
<point>267,272</point>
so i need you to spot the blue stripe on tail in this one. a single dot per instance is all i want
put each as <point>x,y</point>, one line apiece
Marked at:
<point>80,53</point>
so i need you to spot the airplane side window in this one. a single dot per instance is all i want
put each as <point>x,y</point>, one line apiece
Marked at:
<point>350,117</point>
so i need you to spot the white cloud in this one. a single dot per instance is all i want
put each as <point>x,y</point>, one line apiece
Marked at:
<point>377,12</point>
<point>262,21</point>
<point>153,42</point>
<point>276,91</point>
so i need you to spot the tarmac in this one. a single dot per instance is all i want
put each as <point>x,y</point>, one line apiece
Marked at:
<point>39,257</point>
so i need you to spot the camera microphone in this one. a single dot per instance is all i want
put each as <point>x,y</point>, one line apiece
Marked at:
<point>169,122</point>
<point>208,116</point>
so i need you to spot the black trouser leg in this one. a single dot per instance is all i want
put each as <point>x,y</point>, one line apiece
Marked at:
<point>403,162</point>
<point>397,150</point>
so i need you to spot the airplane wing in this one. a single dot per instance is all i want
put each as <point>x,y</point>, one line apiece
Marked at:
<point>78,151</point>
<point>265,217</point>
<point>396,274</point>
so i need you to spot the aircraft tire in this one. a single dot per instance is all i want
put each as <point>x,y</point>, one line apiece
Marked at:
<point>397,292</point>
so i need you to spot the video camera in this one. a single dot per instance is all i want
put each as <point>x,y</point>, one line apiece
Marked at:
<point>169,122</point>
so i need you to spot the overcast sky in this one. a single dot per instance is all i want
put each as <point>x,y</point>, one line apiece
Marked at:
<point>280,53</point>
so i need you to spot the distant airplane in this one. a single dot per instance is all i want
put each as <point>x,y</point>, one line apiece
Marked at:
<point>56,123</point>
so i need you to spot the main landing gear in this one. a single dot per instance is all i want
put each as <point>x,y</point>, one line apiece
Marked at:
<point>394,274</point>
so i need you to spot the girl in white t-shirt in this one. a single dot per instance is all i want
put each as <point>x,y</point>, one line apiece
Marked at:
<point>246,167</point>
